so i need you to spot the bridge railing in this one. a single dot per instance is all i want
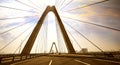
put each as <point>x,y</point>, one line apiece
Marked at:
<point>12,58</point>
<point>114,55</point>
<point>105,55</point>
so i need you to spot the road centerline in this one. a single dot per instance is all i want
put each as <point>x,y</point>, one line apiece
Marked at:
<point>81,62</point>
<point>50,62</point>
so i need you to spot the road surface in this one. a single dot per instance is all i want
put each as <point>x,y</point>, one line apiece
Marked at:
<point>44,60</point>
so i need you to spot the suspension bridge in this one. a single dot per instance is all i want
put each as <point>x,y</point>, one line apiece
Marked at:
<point>51,36</point>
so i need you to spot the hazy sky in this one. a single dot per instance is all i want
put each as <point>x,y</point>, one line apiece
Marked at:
<point>74,13</point>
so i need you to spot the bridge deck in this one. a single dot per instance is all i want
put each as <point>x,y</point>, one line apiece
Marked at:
<point>49,60</point>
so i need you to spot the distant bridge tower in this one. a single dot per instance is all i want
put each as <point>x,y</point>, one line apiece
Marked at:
<point>26,50</point>
<point>53,44</point>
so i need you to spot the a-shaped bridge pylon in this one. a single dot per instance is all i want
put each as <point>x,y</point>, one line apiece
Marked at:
<point>31,40</point>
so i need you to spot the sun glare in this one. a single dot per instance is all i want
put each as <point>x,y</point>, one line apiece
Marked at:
<point>51,3</point>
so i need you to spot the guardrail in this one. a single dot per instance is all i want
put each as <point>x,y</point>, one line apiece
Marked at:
<point>12,58</point>
<point>106,55</point>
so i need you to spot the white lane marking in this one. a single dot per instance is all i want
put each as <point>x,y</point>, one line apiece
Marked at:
<point>82,62</point>
<point>108,61</point>
<point>50,62</point>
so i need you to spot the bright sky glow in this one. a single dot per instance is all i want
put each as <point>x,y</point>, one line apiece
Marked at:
<point>51,3</point>
<point>22,16</point>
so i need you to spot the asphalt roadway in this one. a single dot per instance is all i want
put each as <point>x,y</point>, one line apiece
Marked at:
<point>45,60</point>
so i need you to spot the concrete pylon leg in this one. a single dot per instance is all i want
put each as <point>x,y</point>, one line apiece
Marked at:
<point>26,50</point>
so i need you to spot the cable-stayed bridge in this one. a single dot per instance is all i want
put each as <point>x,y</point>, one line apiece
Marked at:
<point>28,40</point>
